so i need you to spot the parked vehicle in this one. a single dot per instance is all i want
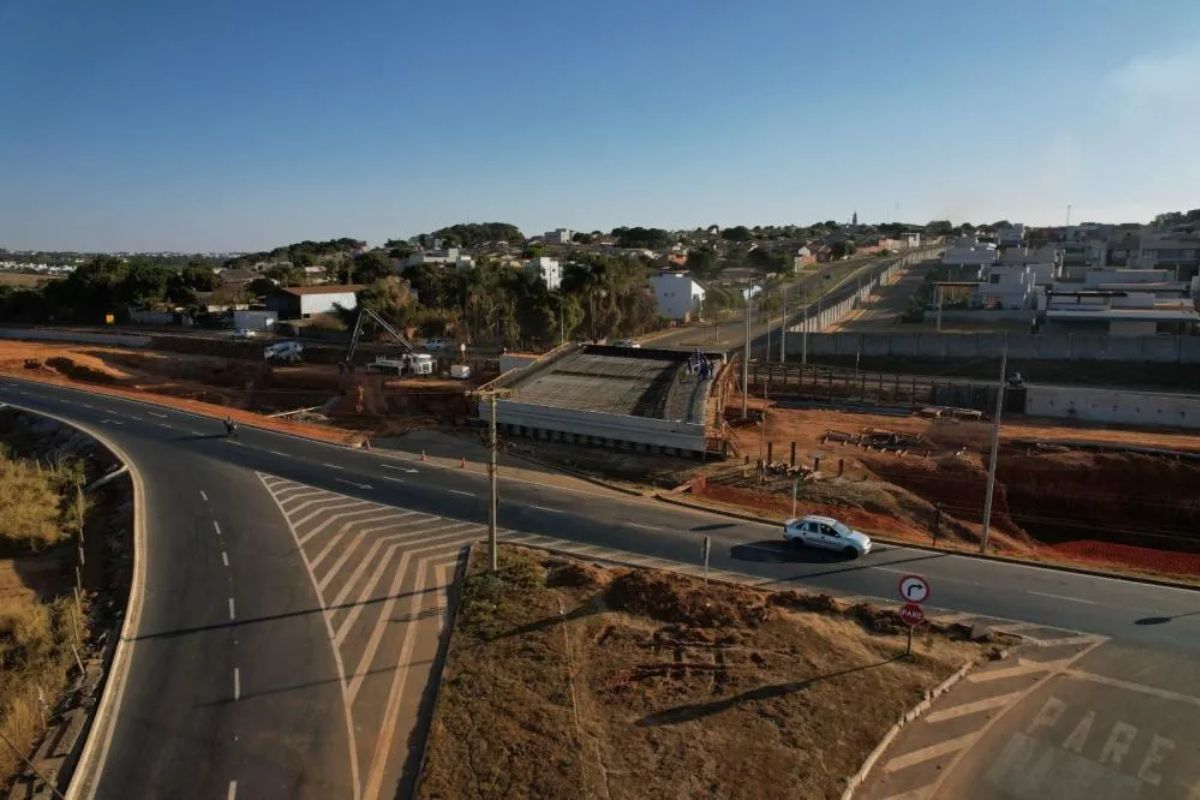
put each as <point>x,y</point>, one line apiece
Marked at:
<point>828,534</point>
<point>284,352</point>
<point>625,343</point>
<point>437,344</point>
<point>407,364</point>
<point>245,333</point>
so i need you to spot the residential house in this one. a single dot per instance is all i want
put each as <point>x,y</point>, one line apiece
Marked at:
<point>449,257</point>
<point>969,252</point>
<point>548,269</point>
<point>1119,313</point>
<point>559,236</point>
<point>1010,236</point>
<point>677,294</point>
<point>1178,252</point>
<point>301,302</point>
<point>804,257</point>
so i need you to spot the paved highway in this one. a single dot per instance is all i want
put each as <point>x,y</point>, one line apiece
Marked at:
<point>295,597</point>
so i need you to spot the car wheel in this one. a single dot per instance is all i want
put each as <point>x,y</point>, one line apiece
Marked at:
<point>850,552</point>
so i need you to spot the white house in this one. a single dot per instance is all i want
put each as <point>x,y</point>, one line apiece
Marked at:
<point>448,257</point>
<point>678,295</point>
<point>1011,287</point>
<point>559,236</point>
<point>1011,236</point>
<point>548,269</point>
<point>967,252</point>
<point>301,302</point>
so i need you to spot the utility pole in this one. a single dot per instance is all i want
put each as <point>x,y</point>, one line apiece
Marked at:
<point>492,396</point>
<point>939,308</point>
<point>493,560</point>
<point>991,478</point>
<point>746,363</point>
<point>783,328</point>
<point>804,339</point>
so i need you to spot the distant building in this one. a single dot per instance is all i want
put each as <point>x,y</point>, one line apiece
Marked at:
<point>301,302</point>
<point>450,257</point>
<point>1178,252</point>
<point>804,258</point>
<point>1011,236</point>
<point>677,294</point>
<point>559,236</point>
<point>548,269</point>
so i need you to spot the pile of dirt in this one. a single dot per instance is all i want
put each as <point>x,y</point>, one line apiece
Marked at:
<point>665,597</point>
<point>81,372</point>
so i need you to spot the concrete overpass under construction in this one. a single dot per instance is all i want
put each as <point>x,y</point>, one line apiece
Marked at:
<point>647,400</point>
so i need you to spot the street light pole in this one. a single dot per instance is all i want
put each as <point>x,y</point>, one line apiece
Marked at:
<point>746,363</point>
<point>991,479</point>
<point>493,558</point>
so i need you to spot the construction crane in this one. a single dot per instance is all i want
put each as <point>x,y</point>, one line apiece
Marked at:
<point>410,361</point>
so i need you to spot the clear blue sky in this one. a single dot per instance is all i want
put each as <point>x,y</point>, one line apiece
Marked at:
<point>236,124</point>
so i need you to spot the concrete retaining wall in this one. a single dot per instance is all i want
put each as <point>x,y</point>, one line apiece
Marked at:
<point>51,335</point>
<point>596,427</point>
<point>1111,405</point>
<point>1065,347</point>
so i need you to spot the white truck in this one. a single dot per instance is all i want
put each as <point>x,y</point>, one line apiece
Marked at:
<point>407,364</point>
<point>284,352</point>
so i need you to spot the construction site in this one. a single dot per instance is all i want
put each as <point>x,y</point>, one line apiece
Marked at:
<point>899,457</point>
<point>650,401</point>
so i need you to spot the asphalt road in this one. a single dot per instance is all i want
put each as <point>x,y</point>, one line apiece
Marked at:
<point>248,698</point>
<point>725,336</point>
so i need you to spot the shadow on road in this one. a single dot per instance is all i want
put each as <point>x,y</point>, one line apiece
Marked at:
<point>694,711</point>
<point>1163,620</point>
<point>237,623</point>
<point>773,551</point>
<point>715,526</point>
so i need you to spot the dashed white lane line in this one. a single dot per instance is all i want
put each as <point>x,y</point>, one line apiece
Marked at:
<point>166,425</point>
<point>549,510</point>
<point>203,496</point>
<point>392,479</point>
<point>331,466</point>
<point>460,491</point>
<point>225,558</point>
<point>156,414</point>
<point>237,684</point>
<point>232,791</point>
<point>217,527</point>
<point>232,612</point>
<point>644,527</point>
<point>277,453</point>
<point>963,709</point>
<point>1064,597</point>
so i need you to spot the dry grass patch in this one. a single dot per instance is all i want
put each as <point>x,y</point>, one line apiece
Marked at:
<point>568,680</point>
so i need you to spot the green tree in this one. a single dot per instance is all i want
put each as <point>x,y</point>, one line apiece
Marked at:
<point>939,227</point>
<point>738,233</point>
<point>702,262</point>
<point>370,267</point>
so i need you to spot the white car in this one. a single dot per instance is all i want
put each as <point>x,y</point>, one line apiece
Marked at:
<point>828,534</point>
<point>625,343</point>
<point>245,333</point>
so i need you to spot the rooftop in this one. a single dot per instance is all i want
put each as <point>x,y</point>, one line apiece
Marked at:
<point>326,289</point>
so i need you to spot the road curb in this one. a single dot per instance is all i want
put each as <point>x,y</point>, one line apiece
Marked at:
<point>1170,584</point>
<point>913,714</point>
<point>86,771</point>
